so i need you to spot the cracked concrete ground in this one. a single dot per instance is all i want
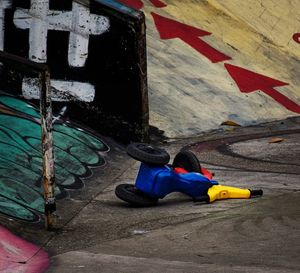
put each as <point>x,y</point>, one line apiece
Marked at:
<point>97,232</point>
<point>254,235</point>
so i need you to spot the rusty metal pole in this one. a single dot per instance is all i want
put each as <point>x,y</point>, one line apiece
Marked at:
<point>47,148</point>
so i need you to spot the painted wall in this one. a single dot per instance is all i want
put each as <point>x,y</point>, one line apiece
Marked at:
<point>213,61</point>
<point>76,151</point>
<point>18,255</point>
<point>97,56</point>
<point>96,53</point>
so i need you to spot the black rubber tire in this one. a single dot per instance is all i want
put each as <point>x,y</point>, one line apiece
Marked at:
<point>129,193</point>
<point>148,154</point>
<point>188,161</point>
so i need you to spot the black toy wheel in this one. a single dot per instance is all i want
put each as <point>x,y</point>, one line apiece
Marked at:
<point>188,161</point>
<point>129,193</point>
<point>148,154</point>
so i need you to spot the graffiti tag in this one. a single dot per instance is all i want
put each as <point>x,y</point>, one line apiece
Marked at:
<point>76,151</point>
<point>80,24</point>
<point>18,255</point>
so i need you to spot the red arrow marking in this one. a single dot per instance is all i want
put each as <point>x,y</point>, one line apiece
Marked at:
<point>136,4</point>
<point>158,4</point>
<point>170,29</point>
<point>249,81</point>
<point>296,38</point>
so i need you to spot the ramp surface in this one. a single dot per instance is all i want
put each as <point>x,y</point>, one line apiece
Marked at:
<point>191,90</point>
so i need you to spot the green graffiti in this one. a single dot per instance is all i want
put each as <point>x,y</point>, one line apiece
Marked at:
<point>75,149</point>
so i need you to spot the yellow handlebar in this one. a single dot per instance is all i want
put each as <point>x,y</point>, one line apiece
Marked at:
<point>218,192</point>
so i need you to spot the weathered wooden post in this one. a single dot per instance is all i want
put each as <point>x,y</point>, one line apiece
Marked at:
<point>47,148</point>
<point>30,68</point>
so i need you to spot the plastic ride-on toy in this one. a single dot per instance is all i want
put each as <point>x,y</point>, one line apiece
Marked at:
<point>156,178</point>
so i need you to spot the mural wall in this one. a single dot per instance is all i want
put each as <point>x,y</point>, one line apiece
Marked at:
<point>18,255</point>
<point>76,151</point>
<point>218,61</point>
<point>247,81</point>
<point>96,53</point>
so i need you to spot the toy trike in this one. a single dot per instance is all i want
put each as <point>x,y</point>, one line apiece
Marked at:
<point>156,178</point>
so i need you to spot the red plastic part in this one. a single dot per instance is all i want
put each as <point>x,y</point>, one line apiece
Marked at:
<point>204,171</point>
<point>180,170</point>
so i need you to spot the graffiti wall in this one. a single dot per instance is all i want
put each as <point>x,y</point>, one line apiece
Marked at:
<point>18,255</point>
<point>212,61</point>
<point>96,52</point>
<point>76,151</point>
<point>138,4</point>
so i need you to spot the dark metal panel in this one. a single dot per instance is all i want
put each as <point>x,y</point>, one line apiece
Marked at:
<point>115,66</point>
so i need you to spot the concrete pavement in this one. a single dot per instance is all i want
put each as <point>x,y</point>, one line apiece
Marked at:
<point>97,232</point>
<point>255,235</point>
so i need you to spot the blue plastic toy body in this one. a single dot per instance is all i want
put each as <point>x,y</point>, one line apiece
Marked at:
<point>158,181</point>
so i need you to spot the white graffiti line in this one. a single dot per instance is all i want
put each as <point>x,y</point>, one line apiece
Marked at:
<point>79,22</point>
<point>9,248</point>
<point>4,4</point>
<point>60,90</point>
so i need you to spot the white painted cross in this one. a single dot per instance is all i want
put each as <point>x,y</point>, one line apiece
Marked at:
<point>4,4</point>
<point>79,22</point>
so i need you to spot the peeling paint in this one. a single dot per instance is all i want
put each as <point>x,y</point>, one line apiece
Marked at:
<point>60,90</point>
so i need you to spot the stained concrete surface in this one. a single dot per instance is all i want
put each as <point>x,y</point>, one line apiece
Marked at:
<point>189,94</point>
<point>253,235</point>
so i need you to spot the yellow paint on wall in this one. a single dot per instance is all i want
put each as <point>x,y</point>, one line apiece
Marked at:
<point>276,20</point>
<point>189,94</point>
